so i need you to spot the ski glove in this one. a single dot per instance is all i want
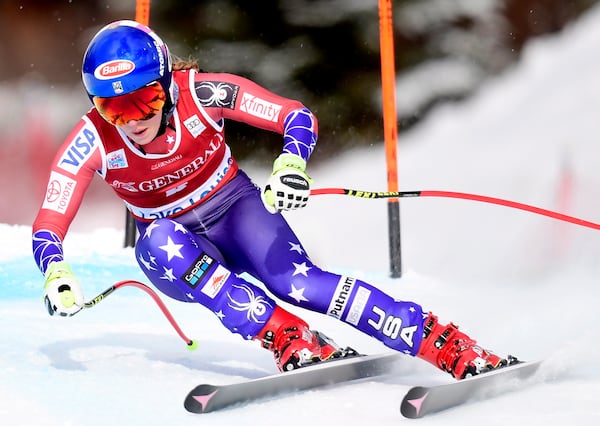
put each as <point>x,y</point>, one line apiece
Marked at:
<point>62,292</point>
<point>288,187</point>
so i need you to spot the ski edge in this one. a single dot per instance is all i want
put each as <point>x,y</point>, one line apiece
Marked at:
<point>206,398</point>
<point>413,404</point>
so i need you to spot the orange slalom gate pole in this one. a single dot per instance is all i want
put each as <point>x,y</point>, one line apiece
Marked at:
<point>390,127</point>
<point>142,11</point>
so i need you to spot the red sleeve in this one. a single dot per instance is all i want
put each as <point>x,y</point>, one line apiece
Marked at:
<point>72,170</point>
<point>252,104</point>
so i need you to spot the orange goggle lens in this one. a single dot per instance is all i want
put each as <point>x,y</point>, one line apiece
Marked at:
<point>141,104</point>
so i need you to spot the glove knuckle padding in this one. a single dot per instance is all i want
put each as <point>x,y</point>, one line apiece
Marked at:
<point>288,187</point>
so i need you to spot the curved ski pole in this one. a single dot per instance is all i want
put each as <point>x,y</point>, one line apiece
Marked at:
<point>191,344</point>
<point>462,195</point>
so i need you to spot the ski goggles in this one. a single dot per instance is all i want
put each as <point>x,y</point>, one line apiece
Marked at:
<point>141,104</point>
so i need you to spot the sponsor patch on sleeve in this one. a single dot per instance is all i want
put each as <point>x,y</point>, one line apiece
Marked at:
<point>216,94</point>
<point>59,193</point>
<point>260,108</point>
<point>79,150</point>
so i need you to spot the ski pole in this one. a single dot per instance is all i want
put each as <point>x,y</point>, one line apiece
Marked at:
<point>191,344</point>
<point>462,195</point>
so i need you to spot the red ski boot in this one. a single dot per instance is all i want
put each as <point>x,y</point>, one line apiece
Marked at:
<point>294,345</point>
<point>455,352</point>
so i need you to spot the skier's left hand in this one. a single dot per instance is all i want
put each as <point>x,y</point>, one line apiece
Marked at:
<point>288,186</point>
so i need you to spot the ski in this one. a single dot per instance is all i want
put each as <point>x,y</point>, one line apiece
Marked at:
<point>420,401</point>
<point>205,398</point>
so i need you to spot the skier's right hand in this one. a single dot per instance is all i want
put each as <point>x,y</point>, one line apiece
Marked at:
<point>62,292</point>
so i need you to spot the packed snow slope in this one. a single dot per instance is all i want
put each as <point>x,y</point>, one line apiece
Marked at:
<point>520,283</point>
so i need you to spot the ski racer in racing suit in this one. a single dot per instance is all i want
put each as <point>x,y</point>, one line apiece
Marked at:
<point>156,135</point>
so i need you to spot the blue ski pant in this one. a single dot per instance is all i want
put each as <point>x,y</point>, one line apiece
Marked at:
<point>201,256</point>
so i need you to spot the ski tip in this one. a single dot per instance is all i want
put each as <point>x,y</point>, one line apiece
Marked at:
<point>198,400</point>
<point>413,401</point>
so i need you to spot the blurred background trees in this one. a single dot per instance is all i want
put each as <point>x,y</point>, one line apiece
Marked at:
<point>323,52</point>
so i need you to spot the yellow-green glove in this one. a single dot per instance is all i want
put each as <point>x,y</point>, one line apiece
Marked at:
<point>288,186</point>
<point>62,292</point>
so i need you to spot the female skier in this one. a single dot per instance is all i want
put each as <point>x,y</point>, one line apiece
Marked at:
<point>155,134</point>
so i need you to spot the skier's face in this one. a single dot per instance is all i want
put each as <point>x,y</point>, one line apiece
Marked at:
<point>142,131</point>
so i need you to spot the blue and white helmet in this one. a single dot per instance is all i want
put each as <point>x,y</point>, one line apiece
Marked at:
<point>125,56</point>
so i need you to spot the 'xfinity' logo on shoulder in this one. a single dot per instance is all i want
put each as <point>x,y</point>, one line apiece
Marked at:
<point>259,107</point>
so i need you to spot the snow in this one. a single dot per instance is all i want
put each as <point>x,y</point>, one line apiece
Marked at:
<point>520,283</point>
